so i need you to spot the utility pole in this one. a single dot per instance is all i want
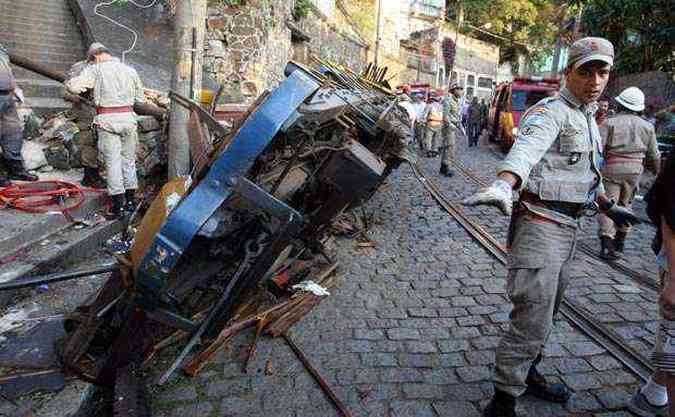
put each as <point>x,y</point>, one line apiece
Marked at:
<point>190,25</point>
<point>377,31</point>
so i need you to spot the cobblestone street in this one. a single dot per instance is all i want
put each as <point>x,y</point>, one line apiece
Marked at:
<point>412,326</point>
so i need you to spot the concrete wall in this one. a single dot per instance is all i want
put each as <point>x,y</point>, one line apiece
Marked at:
<point>153,55</point>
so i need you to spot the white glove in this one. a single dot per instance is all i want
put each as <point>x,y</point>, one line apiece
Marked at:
<point>499,194</point>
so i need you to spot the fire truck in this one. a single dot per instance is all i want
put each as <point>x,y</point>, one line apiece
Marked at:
<point>509,103</point>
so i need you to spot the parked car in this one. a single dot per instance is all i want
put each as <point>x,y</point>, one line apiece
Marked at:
<point>509,103</point>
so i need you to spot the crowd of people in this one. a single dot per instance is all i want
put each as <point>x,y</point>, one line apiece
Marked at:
<point>438,118</point>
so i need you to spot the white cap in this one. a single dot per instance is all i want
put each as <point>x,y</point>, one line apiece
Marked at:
<point>632,98</point>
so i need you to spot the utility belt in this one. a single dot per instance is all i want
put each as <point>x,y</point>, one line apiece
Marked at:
<point>109,110</point>
<point>574,210</point>
<point>615,159</point>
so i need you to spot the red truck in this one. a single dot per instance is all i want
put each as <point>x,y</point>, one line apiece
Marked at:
<point>509,103</point>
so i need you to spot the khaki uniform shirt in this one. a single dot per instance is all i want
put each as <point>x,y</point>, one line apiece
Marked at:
<point>558,153</point>
<point>434,115</point>
<point>451,111</point>
<point>628,139</point>
<point>113,83</point>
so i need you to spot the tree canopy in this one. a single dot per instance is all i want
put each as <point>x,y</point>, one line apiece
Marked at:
<point>642,31</point>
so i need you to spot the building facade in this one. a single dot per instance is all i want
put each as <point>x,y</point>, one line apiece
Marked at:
<point>412,36</point>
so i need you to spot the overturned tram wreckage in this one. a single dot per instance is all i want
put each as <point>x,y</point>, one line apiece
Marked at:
<point>262,196</point>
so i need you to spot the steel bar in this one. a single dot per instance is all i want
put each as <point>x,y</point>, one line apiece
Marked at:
<point>57,277</point>
<point>317,376</point>
<point>581,318</point>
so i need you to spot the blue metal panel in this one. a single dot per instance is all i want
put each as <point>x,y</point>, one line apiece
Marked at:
<point>196,208</point>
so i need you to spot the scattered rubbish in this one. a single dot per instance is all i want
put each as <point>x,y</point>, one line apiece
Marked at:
<point>311,287</point>
<point>260,207</point>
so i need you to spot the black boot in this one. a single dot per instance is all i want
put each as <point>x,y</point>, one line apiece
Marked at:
<point>18,172</point>
<point>607,249</point>
<point>537,386</point>
<point>619,241</point>
<point>116,211</point>
<point>92,179</point>
<point>131,203</point>
<point>446,171</point>
<point>501,405</point>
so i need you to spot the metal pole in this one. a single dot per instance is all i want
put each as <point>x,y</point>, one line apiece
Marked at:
<point>377,32</point>
<point>190,19</point>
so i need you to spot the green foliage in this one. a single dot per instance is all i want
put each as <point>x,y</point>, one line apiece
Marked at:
<point>528,26</point>
<point>364,16</point>
<point>642,31</point>
<point>302,8</point>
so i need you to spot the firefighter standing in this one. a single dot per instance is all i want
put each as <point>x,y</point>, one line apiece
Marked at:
<point>116,87</point>
<point>629,144</point>
<point>555,162</point>
<point>434,126</point>
<point>11,126</point>
<point>452,121</point>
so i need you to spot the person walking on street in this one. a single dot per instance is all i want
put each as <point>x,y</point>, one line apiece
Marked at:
<point>116,87</point>
<point>474,122</point>
<point>452,121</point>
<point>11,126</point>
<point>629,143</point>
<point>555,163</point>
<point>484,110</point>
<point>419,107</point>
<point>434,126</point>
<point>84,114</point>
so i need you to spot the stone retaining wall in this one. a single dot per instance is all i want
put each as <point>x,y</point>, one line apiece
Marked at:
<point>249,45</point>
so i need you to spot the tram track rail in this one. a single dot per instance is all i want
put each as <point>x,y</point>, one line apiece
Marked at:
<point>617,266</point>
<point>577,315</point>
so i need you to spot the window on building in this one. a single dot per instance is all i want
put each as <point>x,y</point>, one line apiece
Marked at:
<point>484,82</point>
<point>522,100</point>
<point>453,78</point>
<point>470,80</point>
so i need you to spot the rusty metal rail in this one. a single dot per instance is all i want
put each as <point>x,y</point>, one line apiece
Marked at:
<point>577,315</point>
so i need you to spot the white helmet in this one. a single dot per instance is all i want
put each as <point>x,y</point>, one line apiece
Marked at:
<point>632,98</point>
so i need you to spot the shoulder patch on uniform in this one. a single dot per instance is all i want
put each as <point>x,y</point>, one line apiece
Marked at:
<point>527,131</point>
<point>540,109</point>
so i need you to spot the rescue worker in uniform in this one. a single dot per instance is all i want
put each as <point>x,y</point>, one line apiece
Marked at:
<point>452,120</point>
<point>419,106</point>
<point>11,126</point>
<point>84,114</point>
<point>474,122</point>
<point>629,143</point>
<point>115,87</point>
<point>555,163</point>
<point>434,126</point>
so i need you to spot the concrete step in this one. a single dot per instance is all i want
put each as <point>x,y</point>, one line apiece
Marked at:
<point>40,22</point>
<point>19,30</point>
<point>37,7</point>
<point>20,44</point>
<point>45,105</point>
<point>55,37</point>
<point>41,88</point>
